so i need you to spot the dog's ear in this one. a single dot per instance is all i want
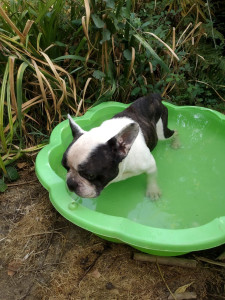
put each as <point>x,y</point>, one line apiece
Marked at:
<point>121,143</point>
<point>77,131</point>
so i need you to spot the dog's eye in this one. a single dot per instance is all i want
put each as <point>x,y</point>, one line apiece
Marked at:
<point>88,176</point>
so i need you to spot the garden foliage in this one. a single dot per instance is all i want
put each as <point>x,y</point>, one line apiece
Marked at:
<point>62,56</point>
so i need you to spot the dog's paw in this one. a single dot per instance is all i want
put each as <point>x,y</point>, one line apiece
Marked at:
<point>175,143</point>
<point>153,192</point>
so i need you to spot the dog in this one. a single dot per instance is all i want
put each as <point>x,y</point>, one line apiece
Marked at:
<point>118,149</point>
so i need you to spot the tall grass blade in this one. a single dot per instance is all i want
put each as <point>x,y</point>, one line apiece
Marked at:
<point>11,81</point>
<point>27,27</point>
<point>44,10</point>
<point>74,57</point>
<point>132,62</point>
<point>38,41</point>
<point>127,26</point>
<point>2,166</point>
<point>40,83</point>
<point>84,92</point>
<point>153,53</point>
<point>2,99</point>
<point>11,24</point>
<point>19,95</point>
<point>9,108</point>
<point>167,46</point>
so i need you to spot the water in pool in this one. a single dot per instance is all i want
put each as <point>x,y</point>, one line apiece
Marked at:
<point>191,179</point>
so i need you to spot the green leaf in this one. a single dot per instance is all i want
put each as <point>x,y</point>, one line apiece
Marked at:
<point>97,21</point>
<point>60,44</point>
<point>125,13</point>
<point>135,91</point>
<point>127,54</point>
<point>3,186</point>
<point>153,53</point>
<point>74,57</point>
<point>98,74</point>
<point>38,40</point>
<point>169,79</point>
<point>2,165</point>
<point>12,173</point>
<point>105,35</point>
<point>110,3</point>
<point>44,11</point>
<point>106,96</point>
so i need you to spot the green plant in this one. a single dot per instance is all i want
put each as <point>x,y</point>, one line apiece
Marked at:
<point>32,85</point>
<point>62,56</point>
<point>9,175</point>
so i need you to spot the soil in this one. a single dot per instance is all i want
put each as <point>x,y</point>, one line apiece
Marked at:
<point>44,256</point>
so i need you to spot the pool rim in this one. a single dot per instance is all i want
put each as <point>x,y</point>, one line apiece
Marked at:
<point>119,229</point>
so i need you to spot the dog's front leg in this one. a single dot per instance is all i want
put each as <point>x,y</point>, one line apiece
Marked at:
<point>175,142</point>
<point>149,167</point>
<point>153,190</point>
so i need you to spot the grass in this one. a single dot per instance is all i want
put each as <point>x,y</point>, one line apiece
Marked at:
<point>64,56</point>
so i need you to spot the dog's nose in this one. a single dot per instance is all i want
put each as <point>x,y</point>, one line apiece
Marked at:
<point>72,184</point>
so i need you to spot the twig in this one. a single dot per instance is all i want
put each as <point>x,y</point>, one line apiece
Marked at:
<point>40,268</point>
<point>168,288</point>
<point>216,296</point>
<point>22,183</point>
<point>90,267</point>
<point>39,233</point>
<point>183,296</point>
<point>221,256</point>
<point>210,261</point>
<point>163,260</point>
<point>45,232</point>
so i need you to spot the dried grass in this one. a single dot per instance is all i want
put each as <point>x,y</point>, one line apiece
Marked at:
<point>43,256</point>
<point>28,234</point>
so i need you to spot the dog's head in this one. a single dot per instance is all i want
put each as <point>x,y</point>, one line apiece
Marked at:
<point>91,162</point>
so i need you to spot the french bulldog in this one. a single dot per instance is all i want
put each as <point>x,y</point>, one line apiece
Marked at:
<point>118,149</point>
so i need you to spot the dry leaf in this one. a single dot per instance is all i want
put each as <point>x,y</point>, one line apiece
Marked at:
<point>11,273</point>
<point>95,274</point>
<point>183,288</point>
<point>13,267</point>
<point>21,165</point>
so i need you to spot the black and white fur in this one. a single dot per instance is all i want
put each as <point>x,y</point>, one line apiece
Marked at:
<point>117,149</point>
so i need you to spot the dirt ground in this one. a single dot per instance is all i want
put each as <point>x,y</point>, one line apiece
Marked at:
<point>44,256</point>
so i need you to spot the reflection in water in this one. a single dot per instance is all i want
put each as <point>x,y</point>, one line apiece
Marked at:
<point>191,179</point>
<point>148,212</point>
<point>90,203</point>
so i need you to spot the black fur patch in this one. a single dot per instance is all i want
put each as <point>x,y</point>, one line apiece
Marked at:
<point>64,158</point>
<point>147,111</point>
<point>101,166</point>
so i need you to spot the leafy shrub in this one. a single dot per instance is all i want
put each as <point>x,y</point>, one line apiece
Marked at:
<point>62,56</point>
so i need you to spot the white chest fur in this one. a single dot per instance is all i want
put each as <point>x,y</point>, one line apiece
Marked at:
<point>139,159</point>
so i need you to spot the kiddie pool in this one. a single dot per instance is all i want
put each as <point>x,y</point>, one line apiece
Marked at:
<point>189,216</point>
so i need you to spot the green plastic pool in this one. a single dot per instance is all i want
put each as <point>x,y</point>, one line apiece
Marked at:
<point>189,216</point>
